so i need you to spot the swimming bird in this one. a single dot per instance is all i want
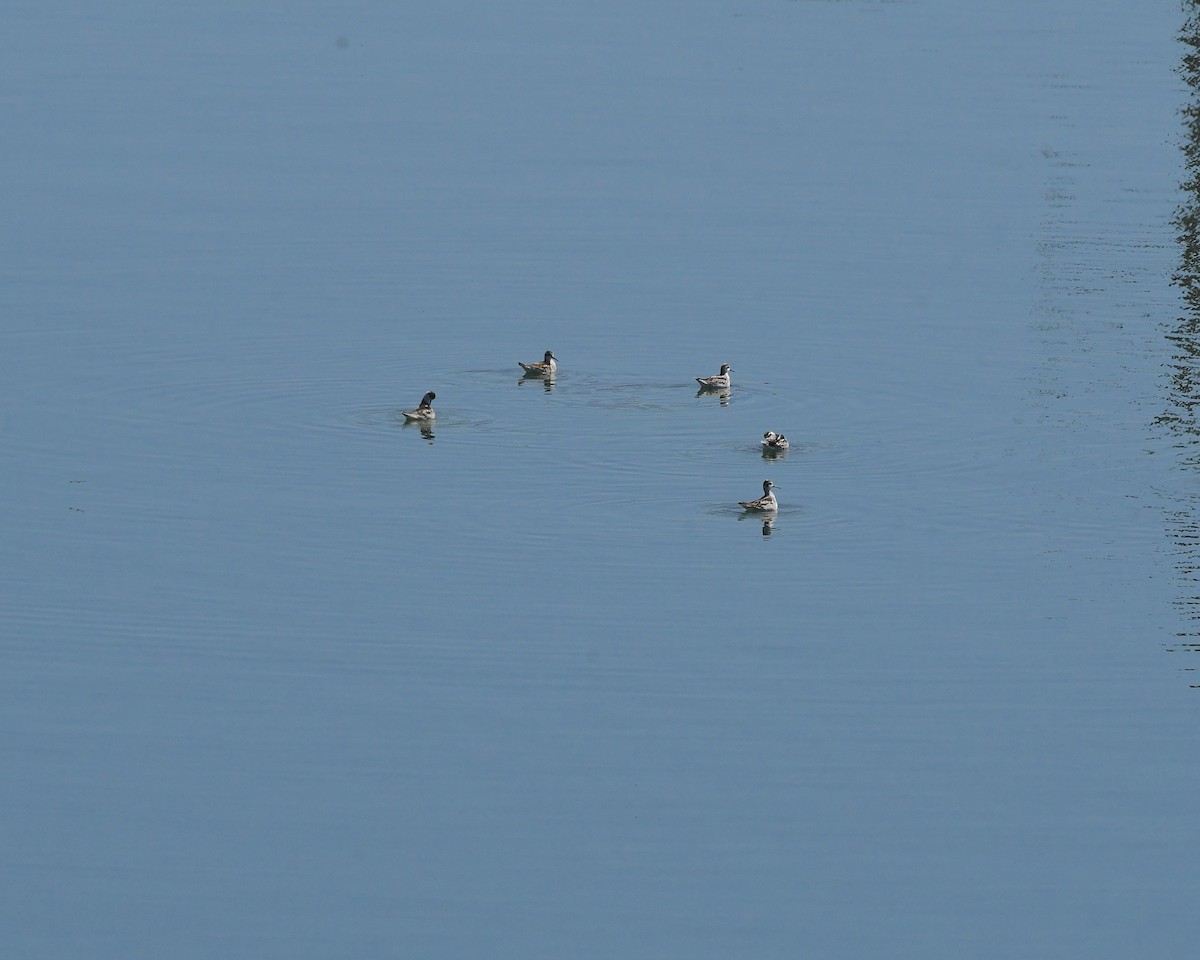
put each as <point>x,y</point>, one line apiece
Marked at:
<point>424,411</point>
<point>719,382</point>
<point>766,502</point>
<point>773,441</point>
<point>542,368</point>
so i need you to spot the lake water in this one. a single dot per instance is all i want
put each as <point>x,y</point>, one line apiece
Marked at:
<point>284,677</point>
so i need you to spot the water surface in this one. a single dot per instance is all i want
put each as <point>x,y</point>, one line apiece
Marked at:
<point>283,676</point>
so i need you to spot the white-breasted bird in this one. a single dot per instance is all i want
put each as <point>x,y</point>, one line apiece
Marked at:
<point>423,411</point>
<point>719,382</point>
<point>773,441</point>
<point>766,502</point>
<point>541,368</point>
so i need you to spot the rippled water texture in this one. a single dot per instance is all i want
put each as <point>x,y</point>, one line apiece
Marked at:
<point>283,675</point>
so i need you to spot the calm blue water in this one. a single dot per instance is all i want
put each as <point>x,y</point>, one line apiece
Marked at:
<point>283,677</point>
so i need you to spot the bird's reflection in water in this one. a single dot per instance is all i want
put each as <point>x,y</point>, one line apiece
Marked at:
<point>546,382</point>
<point>721,394</point>
<point>768,521</point>
<point>424,426</point>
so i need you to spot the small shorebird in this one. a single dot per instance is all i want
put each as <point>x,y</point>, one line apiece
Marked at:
<point>542,368</point>
<point>424,411</point>
<point>719,382</point>
<point>773,441</point>
<point>766,502</point>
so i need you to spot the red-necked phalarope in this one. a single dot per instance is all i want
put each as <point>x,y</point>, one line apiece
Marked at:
<point>542,368</point>
<point>774,441</point>
<point>719,382</point>
<point>766,502</point>
<point>424,411</point>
